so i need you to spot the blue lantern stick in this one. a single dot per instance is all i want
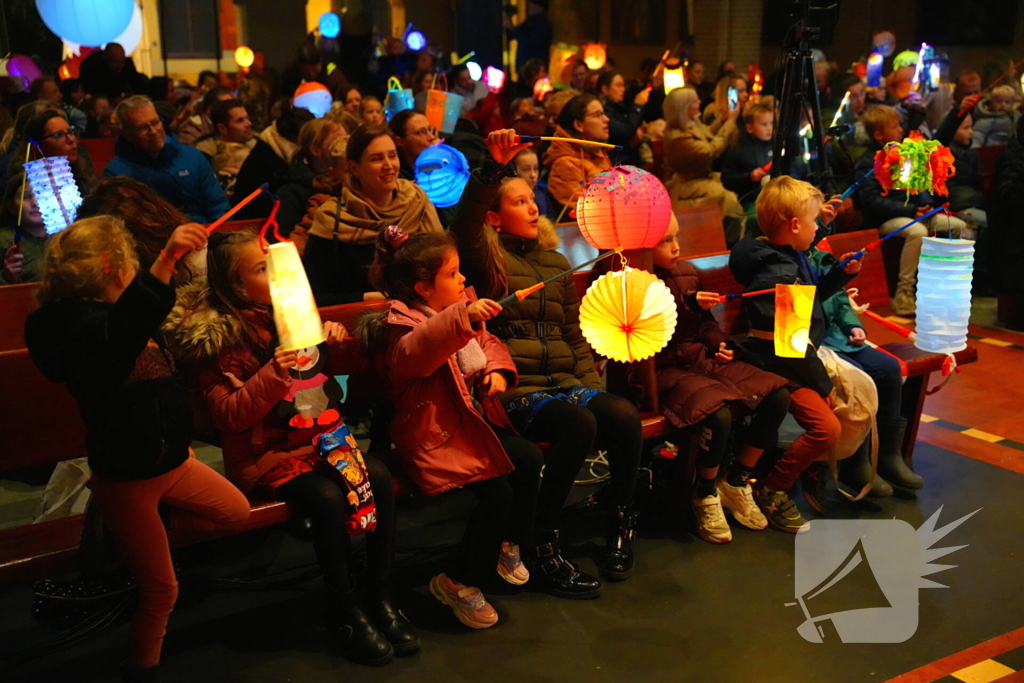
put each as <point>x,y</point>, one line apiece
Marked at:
<point>853,188</point>
<point>874,245</point>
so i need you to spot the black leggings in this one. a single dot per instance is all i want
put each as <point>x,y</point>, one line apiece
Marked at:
<point>505,512</point>
<point>611,422</point>
<point>325,501</point>
<point>763,432</point>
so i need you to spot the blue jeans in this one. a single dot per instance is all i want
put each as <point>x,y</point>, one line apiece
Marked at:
<point>885,371</point>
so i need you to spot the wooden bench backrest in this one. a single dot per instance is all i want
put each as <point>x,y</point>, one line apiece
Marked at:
<point>101,151</point>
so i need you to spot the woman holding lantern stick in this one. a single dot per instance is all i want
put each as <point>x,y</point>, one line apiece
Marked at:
<point>223,331</point>
<point>505,245</point>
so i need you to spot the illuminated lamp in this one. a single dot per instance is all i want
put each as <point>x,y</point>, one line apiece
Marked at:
<point>414,39</point>
<point>628,315</point>
<point>87,22</point>
<point>944,275</point>
<point>475,71</point>
<point>295,313</point>
<point>672,72</point>
<point>793,307</point>
<point>874,76</point>
<point>330,25</point>
<point>595,55</point>
<point>442,172</point>
<point>313,97</point>
<point>495,79</point>
<point>57,196</point>
<point>624,207</point>
<point>244,57</point>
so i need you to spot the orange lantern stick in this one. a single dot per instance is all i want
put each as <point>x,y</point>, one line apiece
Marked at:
<point>537,138</point>
<point>732,297</point>
<point>212,227</point>
<point>895,327</point>
<point>521,294</point>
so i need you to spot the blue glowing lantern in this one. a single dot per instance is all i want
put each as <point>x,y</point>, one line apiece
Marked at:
<point>442,172</point>
<point>55,190</point>
<point>90,23</point>
<point>414,39</point>
<point>330,25</point>
<point>313,97</point>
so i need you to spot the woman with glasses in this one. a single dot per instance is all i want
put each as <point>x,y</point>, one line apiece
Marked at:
<point>573,165</point>
<point>50,135</point>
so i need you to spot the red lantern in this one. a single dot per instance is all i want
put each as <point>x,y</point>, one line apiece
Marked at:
<point>624,207</point>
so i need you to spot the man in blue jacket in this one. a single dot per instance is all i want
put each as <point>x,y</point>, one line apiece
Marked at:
<point>178,173</point>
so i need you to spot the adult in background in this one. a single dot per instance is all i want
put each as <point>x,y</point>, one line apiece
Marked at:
<point>413,134</point>
<point>624,118</point>
<point>198,127</point>
<point>50,132</point>
<point>231,143</point>
<point>178,173</point>
<point>309,171</point>
<point>48,90</point>
<point>533,35</point>
<point>344,231</point>
<point>307,68</point>
<point>269,160</point>
<point>571,166</point>
<point>110,73</point>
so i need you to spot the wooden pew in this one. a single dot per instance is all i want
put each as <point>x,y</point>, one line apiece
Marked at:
<point>101,151</point>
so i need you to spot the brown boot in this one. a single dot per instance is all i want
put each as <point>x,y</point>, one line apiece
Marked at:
<point>904,304</point>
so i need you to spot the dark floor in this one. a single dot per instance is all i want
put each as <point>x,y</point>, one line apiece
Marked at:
<point>692,612</point>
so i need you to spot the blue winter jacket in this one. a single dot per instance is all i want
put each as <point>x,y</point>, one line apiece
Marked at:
<point>180,174</point>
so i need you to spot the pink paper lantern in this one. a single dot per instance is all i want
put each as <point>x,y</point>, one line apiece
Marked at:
<point>624,207</point>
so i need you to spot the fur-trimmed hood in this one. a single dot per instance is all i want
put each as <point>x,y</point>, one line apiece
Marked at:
<point>195,331</point>
<point>372,331</point>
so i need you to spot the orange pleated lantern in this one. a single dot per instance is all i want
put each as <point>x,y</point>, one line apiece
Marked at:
<point>560,64</point>
<point>628,315</point>
<point>624,207</point>
<point>793,307</point>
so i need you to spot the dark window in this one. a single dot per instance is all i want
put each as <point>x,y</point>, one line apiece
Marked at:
<point>638,22</point>
<point>188,29</point>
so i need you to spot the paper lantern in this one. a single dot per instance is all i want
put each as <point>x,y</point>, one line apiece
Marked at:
<point>295,314</point>
<point>22,70</point>
<point>53,185</point>
<point>442,172</point>
<point>944,294</point>
<point>884,42</point>
<point>915,165</point>
<point>129,39</point>
<point>414,39</point>
<point>313,97</point>
<point>793,307</point>
<point>442,108</point>
<point>87,22</point>
<point>476,72</point>
<point>628,315</point>
<point>398,98</point>
<point>244,57</point>
<point>562,59</point>
<point>672,73</point>
<point>875,62</point>
<point>330,25</point>
<point>595,55</point>
<point>495,79</point>
<point>624,207</point>
<point>541,88</point>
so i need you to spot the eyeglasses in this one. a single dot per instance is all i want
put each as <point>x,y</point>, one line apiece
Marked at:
<point>146,127</point>
<point>71,132</point>
<point>427,132</point>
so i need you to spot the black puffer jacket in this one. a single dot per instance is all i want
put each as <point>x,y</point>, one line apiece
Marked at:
<point>542,332</point>
<point>691,383</point>
<point>112,358</point>
<point>758,264</point>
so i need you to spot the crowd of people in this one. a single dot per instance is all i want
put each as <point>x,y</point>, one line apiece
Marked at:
<point>139,307</point>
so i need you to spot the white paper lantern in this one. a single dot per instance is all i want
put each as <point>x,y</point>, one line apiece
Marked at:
<point>129,39</point>
<point>57,196</point>
<point>87,22</point>
<point>295,313</point>
<point>944,294</point>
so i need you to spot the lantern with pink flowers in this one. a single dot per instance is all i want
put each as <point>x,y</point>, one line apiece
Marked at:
<point>624,207</point>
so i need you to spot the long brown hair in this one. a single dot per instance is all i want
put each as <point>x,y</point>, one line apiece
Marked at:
<point>225,292</point>
<point>148,217</point>
<point>496,263</point>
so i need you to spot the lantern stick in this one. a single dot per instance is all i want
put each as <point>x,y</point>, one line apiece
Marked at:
<point>732,297</point>
<point>21,204</point>
<point>874,245</point>
<point>853,188</point>
<point>1005,74</point>
<point>895,327</point>
<point>212,227</point>
<point>521,294</point>
<point>536,138</point>
<point>839,112</point>
<point>767,167</point>
<point>468,56</point>
<point>903,364</point>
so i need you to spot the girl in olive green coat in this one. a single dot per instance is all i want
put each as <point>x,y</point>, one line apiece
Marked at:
<point>506,245</point>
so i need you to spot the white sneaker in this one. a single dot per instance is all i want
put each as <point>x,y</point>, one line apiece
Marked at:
<point>711,523</point>
<point>739,500</point>
<point>510,565</point>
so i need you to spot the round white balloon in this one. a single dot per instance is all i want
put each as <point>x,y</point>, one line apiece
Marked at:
<point>87,22</point>
<point>129,39</point>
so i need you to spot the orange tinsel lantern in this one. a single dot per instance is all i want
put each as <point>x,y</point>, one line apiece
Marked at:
<point>624,207</point>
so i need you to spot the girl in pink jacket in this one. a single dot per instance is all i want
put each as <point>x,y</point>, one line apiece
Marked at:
<point>444,371</point>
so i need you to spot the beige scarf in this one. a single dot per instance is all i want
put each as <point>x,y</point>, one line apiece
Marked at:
<point>359,220</point>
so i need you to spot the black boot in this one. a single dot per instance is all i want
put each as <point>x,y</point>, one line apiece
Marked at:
<point>393,624</point>
<point>618,565</point>
<point>364,643</point>
<point>556,575</point>
<point>855,470</point>
<point>130,674</point>
<point>891,465</point>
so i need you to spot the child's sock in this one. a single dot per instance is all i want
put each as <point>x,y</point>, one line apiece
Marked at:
<point>705,487</point>
<point>739,475</point>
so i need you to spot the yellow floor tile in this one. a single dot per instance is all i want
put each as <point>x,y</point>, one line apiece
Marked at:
<point>995,342</point>
<point>985,436</point>
<point>928,418</point>
<point>983,672</point>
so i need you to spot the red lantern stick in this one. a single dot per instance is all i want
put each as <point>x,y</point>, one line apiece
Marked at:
<point>895,327</point>
<point>767,167</point>
<point>521,294</point>
<point>732,297</point>
<point>874,245</point>
<point>212,227</point>
<point>903,364</point>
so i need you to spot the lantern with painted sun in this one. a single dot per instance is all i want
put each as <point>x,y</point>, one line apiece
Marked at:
<point>624,207</point>
<point>794,305</point>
